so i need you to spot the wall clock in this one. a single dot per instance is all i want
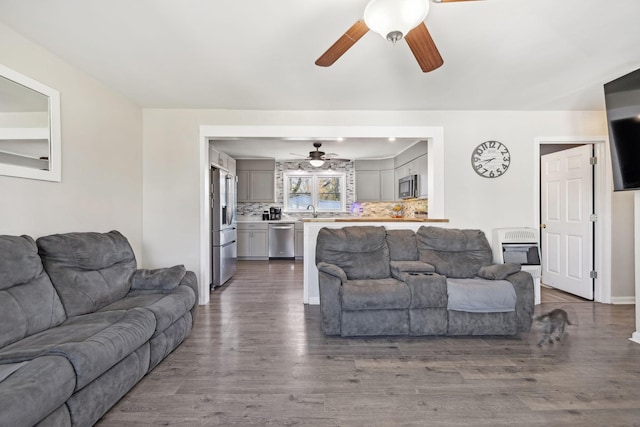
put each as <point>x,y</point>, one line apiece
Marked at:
<point>490,159</point>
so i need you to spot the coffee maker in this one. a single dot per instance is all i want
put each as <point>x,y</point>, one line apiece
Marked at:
<point>275,214</point>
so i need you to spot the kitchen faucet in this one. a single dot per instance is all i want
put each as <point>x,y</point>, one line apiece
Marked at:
<point>315,214</point>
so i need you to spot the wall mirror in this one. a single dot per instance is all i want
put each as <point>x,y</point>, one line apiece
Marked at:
<point>30,144</point>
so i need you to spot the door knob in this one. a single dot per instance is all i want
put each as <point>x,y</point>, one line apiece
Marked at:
<point>543,225</point>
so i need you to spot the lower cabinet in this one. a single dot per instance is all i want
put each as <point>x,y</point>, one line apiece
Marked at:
<point>253,240</point>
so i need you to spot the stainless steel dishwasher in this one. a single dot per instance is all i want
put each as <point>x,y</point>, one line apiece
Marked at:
<point>282,240</point>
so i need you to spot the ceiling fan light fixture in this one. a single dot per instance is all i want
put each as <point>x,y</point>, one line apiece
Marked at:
<point>316,163</point>
<point>393,19</point>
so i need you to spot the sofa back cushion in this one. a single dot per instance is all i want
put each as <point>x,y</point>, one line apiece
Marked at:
<point>402,245</point>
<point>454,253</point>
<point>28,301</point>
<point>89,270</point>
<point>361,252</point>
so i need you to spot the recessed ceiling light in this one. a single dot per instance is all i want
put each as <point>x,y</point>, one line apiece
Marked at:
<point>392,139</point>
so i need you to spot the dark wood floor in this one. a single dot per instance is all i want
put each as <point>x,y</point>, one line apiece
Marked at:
<point>257,357</point>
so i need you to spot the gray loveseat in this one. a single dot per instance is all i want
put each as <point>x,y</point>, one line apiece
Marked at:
<point>435,281</point>
<point>80,325</point>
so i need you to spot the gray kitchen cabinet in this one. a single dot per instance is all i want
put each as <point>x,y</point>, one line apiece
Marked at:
<point>256,186</point>
<point>413,161</point>
<point>387,186</point>
<point>253,240</point>
<point>368,186</point>
<point>422,170</point>
<point>375,180</point>
<point>242,186</point>
<point>256,180</point>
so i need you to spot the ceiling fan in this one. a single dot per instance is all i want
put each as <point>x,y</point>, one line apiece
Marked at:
<point>317,158</point>
<point>393,20</point>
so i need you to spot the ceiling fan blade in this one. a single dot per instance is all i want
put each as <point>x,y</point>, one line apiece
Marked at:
<point>424,48</point>
<point>343,44</point>
<point>336,159</point>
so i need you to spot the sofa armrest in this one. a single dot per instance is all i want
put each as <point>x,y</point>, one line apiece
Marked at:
<point>165,280</point>
<point>330,280</point>
<point>498,271</point>
<point>399,267</point>
<point>160,279</point>
<point>332,270</point>
<point>523,285</point>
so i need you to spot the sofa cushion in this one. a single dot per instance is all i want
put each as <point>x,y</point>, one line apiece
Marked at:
<point>167,307</point>
<point>28,301</point>
<point>93,342</point>
<point>453,252</point>
<point>375,294</point>
<point>402,245</point>
<point>89,270</point>
<point>361,251</point>
<point>34,390</point>
<point>481,295</point>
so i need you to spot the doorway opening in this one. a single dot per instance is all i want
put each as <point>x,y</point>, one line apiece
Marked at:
<point>434,135</point>
<point>572,264</point>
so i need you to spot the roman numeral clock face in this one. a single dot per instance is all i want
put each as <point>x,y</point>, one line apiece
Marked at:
<point>490,159</point>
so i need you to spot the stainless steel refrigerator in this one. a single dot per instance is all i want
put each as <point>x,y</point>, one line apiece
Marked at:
<point>224,253</point>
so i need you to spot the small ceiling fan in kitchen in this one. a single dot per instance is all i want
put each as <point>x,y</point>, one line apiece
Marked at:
<point>317,158</point>
<point>393,20</point>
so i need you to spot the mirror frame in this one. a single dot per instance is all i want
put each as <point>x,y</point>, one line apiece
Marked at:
<point>55,141</point>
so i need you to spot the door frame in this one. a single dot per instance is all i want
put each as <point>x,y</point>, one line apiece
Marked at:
<point>602,191</point>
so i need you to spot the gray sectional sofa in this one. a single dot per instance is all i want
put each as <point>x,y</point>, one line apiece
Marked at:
<point>435,281</point>
<point>80,325</point>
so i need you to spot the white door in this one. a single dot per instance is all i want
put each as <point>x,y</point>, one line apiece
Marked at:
<point>567,231</point>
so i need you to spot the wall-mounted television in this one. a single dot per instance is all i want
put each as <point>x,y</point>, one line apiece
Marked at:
<point>622,99</point>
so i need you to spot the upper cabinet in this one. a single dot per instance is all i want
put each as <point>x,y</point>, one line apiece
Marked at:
<point>256,180</point>
<point>222,160</point>
<point>375,180</point>
<point>414,161</point>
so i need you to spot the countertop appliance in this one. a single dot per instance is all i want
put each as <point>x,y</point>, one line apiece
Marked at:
<point>282,240</point>
<point>408,187</point>
<point>224,254</point>
<point>275,214</point>
<point>519,246</point>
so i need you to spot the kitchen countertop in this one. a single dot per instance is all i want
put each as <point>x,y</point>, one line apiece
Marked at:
<point>372,219</point>
<point>252,220</point>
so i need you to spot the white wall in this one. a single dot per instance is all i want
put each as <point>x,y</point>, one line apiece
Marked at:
<point>622,271</point>
<point>171,166</point>
<point>101,186</point>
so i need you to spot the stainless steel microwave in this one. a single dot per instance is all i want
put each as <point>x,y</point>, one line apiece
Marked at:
<point>408,187</point>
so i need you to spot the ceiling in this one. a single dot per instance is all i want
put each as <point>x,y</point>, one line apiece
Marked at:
<point>259,55</point>
<point>299,148</point>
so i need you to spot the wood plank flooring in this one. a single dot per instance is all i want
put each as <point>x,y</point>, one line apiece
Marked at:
<point>257,357</point>
<point>549,294</point>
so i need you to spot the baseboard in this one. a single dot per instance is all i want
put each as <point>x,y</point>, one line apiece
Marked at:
<point>635,337</point>
<point>314,301</point>
<point>623,300</point>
